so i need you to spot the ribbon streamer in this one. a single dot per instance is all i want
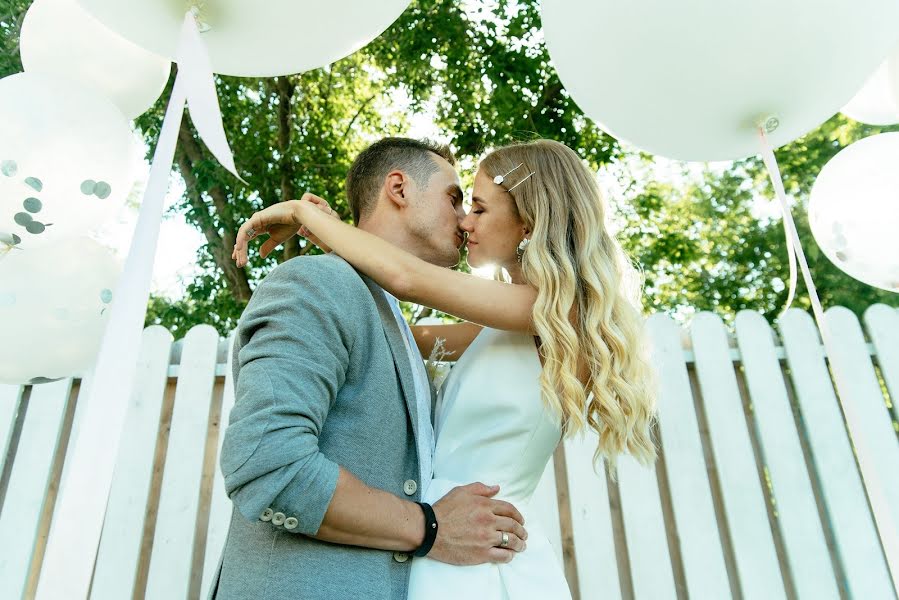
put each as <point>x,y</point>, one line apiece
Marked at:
<point>91,457</point>
<point>777,182</point>
<point>889,535</point>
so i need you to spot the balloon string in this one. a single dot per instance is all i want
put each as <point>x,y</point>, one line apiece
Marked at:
<point>889,535</point>
<point>777,182</point>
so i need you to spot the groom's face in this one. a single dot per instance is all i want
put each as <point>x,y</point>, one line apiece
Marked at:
<point>434,215</point>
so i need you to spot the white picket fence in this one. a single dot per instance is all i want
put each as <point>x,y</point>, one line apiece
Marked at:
<point>757,494</point>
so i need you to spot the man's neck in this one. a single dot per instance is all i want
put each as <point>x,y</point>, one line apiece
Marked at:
<point>389,232</point>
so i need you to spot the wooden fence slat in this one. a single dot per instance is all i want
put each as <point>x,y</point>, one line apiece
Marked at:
<point>174,541</point>
<point>691,497</point>
<point>10,395</point>
<point>797,513</point>
<point>176,572</point>
<point>844,497</point>
<point>868,405</point>
<point>123,526</point>
<point>882,323</point>
<point>644,528</point>
<point>220,508</point>
<point>591,518</point>
<point>742,496</point>
<point>29,481</point>
<point>545,504</point>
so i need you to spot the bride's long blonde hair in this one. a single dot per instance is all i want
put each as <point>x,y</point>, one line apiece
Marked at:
<point>579,269</point>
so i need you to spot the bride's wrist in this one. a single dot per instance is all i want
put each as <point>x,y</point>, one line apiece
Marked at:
<point>299,210</point>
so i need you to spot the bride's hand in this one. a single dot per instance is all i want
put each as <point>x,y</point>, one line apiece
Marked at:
<point>280,221</point>
<point>323,206</point>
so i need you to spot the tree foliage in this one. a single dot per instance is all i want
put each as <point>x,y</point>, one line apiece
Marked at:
<point>481,69</point>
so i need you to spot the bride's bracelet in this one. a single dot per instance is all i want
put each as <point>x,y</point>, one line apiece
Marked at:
<point>430,530</point>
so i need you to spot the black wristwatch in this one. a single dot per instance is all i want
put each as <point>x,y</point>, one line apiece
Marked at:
<point>430,530</point>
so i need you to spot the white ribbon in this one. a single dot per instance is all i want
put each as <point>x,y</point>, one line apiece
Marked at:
<point>202,99</point>
<point>881,509</point>
<point>90,460</point>
<point>774,173</point>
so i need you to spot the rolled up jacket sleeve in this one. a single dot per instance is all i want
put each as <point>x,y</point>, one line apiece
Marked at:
<point>291,363</point>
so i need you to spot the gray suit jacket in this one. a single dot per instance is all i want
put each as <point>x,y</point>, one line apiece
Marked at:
<point>322,379</point>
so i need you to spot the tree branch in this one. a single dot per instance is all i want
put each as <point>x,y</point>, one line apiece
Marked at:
<point>365,103</point>
<point>188,154</point>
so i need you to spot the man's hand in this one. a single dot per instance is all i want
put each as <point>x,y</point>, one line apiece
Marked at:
<point>471,526</point>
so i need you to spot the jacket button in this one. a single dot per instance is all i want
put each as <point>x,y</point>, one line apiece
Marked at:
<point>290,523</point>
<point>266,515</point>
<point>410,486</point>
<point>400,557</point>
<point>278,518</point>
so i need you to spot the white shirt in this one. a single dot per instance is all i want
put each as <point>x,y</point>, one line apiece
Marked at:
<point>422,396</point>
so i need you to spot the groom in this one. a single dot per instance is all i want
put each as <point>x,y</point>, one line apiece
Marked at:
<point>330,441</point>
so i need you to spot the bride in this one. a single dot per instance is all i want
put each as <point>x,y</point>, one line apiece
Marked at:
<point>558,348</point>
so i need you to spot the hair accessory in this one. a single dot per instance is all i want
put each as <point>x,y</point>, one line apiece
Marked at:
<point>499,179</point>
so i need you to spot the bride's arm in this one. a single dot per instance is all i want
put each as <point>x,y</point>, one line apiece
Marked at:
<point>486,302</point>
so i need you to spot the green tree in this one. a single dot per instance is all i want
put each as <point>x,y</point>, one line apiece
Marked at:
<point>702,247</point>
<point>482,70</point>
<point>11,14</point>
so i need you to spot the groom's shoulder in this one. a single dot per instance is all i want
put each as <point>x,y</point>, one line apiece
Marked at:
<point>326,274</point>
<point>320,265</point>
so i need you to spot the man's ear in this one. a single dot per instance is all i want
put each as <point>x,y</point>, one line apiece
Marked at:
<point>396,186</point>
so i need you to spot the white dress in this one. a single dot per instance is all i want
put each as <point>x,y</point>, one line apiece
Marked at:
<point>492,426</point>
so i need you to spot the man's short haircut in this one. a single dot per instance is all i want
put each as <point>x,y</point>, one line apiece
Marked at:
<point>366,175</point>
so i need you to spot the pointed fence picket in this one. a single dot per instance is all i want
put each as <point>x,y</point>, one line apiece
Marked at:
<point>756,494</point>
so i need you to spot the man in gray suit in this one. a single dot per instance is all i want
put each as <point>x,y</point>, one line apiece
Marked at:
<point>330,439</point>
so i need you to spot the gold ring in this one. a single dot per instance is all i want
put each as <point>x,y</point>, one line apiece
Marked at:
<point>505,540</point>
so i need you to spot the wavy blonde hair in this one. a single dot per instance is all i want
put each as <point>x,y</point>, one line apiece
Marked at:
<point>585,306</point>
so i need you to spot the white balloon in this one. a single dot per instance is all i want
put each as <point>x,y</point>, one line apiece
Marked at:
<point>252,38</point>
<point>54,303</point>
<point>66,158</point>
<point>693,79</point>
<point>61,39</point>
<point>854,210</point>
<point>877,103</point>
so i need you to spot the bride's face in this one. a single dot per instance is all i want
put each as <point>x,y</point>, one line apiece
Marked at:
<point>493,225</point>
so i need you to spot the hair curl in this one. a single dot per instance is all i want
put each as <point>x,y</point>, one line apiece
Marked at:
<point>587,301</point>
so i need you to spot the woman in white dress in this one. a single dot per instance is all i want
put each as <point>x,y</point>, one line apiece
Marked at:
<point>562,347</point>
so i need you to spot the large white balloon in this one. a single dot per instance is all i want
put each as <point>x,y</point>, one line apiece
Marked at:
<point>877,103</point>
<point>253,38</point>
<point>854,210</point>
<point>67,158</point>
<point>692,79</point>
<point>60,38</point>
<point>53,306</point>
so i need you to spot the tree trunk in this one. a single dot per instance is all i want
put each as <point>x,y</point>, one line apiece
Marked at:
<point>189,153</point>
<point>286,89</point>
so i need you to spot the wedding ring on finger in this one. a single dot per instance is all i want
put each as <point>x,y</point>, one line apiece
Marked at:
<point>505,541</point>
<point>251,233</point>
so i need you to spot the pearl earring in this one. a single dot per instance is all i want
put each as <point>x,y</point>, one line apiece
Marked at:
<point>521,247</point>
